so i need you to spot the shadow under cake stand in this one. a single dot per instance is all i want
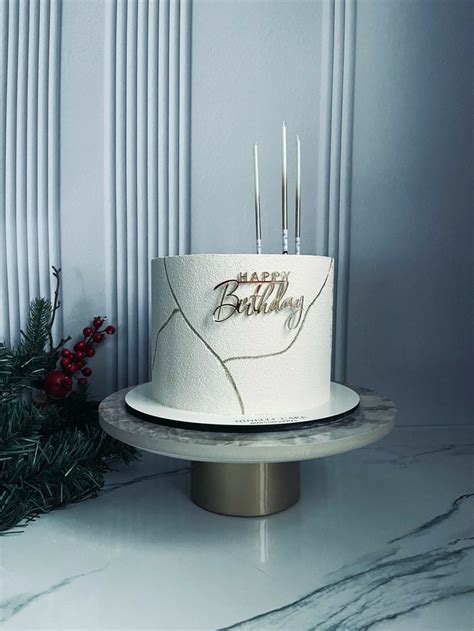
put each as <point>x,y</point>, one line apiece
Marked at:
<point>249,474</point>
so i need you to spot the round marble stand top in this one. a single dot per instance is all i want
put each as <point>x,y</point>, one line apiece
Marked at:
<point>373,419</point>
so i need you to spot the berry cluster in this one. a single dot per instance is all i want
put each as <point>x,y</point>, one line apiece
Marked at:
<point>73,362</point>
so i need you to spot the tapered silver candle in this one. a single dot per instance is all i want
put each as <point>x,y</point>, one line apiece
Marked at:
<point>258,221</point>
<point>284,194</point>
<point>298,198</point>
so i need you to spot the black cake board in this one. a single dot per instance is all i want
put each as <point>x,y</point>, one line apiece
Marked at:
<point>342,402</point>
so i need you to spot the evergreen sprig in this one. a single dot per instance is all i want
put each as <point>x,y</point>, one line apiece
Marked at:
<point>52,453</point>
<point>6,365</point>
<point>24,367</point>
<point>36,335</point>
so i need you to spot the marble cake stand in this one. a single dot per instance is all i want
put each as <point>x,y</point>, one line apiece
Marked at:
<point>249,474</point>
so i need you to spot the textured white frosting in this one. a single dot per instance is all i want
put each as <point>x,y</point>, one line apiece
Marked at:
<point>244,364</point>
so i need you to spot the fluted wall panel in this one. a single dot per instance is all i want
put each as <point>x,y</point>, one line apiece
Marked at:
<point>335,157</point>
<point>147,140</point>
<point>29,166</point>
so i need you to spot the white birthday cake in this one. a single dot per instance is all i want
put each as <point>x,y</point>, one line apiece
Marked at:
<point>241,334</point>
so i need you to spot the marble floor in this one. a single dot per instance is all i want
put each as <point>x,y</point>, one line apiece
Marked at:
<point>382,539</point>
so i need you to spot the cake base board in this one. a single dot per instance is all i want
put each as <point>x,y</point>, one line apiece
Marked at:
<point>342,401</point>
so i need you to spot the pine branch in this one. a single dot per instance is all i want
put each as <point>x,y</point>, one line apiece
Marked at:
<point>52,453</point>
<point>36,335</point>
<point>67,468</point>
<point>24,367</point>
<point>51,456</point>
<point>6,358</point>
<point>9,375</point>
<point>6,364</point>
<point>20,426</point>
<point>18,376</point>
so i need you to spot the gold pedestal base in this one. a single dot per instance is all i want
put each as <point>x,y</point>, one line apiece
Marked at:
<point>245,490</point>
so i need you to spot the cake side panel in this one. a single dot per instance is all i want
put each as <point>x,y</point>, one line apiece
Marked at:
<point>298,376</point>
<point>188,377</point>
<point>244,363</point>
<point>202,283</point>
<point>163,307</point>
<point>186,374</point>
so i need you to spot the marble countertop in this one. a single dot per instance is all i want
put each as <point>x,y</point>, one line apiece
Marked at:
<point>382,539</point>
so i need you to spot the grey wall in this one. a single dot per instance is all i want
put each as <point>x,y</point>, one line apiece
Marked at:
<point>255,64</point>
<point>110,110</point>
<point>411,265</point>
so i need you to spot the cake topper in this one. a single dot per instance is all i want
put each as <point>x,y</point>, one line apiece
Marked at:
<point>268,294</point>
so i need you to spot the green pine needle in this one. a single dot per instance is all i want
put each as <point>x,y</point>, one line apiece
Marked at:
<point>51,453</point>
<point>37,328</point>
<point>24,368</point>
<point>50,457</point>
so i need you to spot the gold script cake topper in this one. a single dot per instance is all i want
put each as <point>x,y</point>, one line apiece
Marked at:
<point>269,296</point>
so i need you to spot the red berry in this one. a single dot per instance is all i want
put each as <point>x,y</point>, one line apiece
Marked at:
<point>80,346</point>
<point>73,368</point>
<point>79,355</point>
<point>87,372</point>
<point>90,352</point>
<point>98,337</point>
<point>110,330</point>
<point>82,381</point>
<point>80,363</point>
<point>88,331</point>
<point>65,362</point>
<point>98,322</point>
<point>66,352</point>
<point>57,384</point>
